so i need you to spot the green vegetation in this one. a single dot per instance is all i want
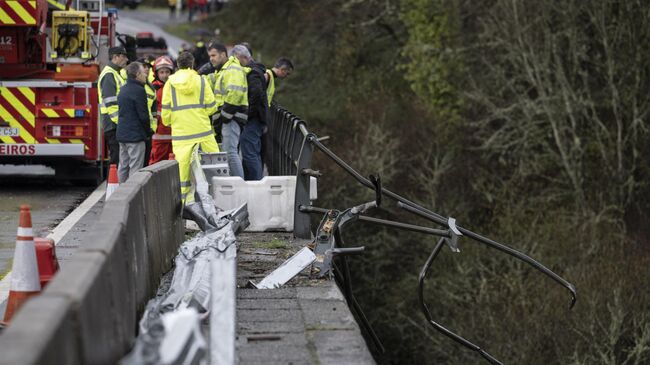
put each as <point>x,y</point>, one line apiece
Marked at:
<point>525,120</point>
<point>275,243</point>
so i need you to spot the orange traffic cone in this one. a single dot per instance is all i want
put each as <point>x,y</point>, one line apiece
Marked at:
<point>24,276</point>
<point>113,182</point>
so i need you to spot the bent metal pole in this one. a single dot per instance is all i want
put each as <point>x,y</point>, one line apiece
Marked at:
<point>439,219</point>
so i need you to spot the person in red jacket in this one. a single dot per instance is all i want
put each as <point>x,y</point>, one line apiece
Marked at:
<point>162,140</point>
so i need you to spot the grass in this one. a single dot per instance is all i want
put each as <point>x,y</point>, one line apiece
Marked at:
<point>181,30</point>
<point>275,243</point>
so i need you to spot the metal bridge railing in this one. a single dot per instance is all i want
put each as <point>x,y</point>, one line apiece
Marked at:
<point>291,151</point>
<point>291,147</point>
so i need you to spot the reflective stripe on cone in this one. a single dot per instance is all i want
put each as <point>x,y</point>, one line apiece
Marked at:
<point>112,182</point>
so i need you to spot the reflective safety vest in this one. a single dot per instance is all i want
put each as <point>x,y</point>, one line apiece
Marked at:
<point>151,76</point>
<point>187,105</point>
<point>270,89</point>
<point>231,91</point>
<point>108,105</point>
<point>151,98</point>
<point>212,79</point>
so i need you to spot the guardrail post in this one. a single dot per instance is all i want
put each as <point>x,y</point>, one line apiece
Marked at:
<point>270,139</point>
<point>301,220</point>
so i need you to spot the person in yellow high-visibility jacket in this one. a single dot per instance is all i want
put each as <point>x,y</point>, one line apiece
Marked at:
<point>108,86</point>
<point>231,95</point>
<point>187,104</point>
<point>283,67</point>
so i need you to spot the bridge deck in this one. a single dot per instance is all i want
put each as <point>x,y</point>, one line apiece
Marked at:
<point>305,322</point>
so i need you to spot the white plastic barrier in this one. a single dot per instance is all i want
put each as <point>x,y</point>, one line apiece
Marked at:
<point>270,200</point>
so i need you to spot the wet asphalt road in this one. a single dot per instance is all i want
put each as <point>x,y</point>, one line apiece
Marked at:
<point>50,203</point>
<point>149,20</point>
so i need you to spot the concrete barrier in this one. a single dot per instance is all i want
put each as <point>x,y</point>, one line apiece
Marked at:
<point>41,333</point>
<point>108,237</point>
<point>85,281</point>
<point>136,237</point>
<point>88,314</point>
<point>165,208</point>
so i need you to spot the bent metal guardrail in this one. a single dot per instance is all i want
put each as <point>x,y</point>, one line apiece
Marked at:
<point>291,149</point>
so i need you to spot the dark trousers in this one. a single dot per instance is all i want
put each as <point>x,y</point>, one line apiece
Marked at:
<point>147,151</point>
<point>266,150</point>
<point>190,13</point>
<point>250,143</point>
<point>113,147</point>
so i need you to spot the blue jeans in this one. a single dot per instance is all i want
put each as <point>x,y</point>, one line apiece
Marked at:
<point>231,132</point>
<point>251,149</point>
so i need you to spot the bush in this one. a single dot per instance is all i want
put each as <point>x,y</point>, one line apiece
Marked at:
<point>525,120</point>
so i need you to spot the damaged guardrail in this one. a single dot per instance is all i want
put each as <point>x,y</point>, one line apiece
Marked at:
<point>170,327</point>
<point>202,287</point>
<point>292,148</point>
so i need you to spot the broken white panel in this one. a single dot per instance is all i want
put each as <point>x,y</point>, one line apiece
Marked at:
<point>287,270</point>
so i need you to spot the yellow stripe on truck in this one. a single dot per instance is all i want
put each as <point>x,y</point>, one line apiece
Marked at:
<point>70,112</point>
<point>4,114</point>
<point>29,93</point>
<point>22,109</point>
<point>22,12</point>
<point>5,18</point>
<point>7,140</point>
<point>50,113</point>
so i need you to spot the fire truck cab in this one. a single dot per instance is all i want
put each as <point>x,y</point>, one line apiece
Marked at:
<point>50,59</point>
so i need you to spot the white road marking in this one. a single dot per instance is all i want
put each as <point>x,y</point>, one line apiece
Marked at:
<point>61,230</point>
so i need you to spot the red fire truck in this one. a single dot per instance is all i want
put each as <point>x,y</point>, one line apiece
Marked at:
<point>50,58</point>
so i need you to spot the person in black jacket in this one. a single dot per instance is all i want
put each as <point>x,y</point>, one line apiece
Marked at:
<point>250,141</point>
<point>133,127</point>
<point>200,54</point>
